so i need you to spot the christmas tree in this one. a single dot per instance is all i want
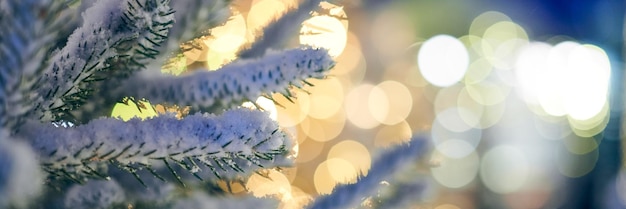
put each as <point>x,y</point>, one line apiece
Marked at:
<point>65,64</point>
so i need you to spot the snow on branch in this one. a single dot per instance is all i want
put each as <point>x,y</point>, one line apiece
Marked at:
<point>387,164</point>
<point>114,33</point>
<point>278,31</point>
<point>240,140</point>
<point>229,86</point>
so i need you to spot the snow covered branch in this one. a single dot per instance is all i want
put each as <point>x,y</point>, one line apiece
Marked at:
<point>113,33</point>
<point>389,163</point>
<point>233,83</point>
<point>220,143</point>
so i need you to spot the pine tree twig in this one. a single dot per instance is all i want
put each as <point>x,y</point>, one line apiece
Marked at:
<point>206,138</point>
<point>119,31</point>
<point>278,31</point>
<point>235,83</point>
<point>391,161</point>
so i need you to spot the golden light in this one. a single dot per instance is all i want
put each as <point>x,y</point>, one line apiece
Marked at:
<point>131,110</point>
<point>324,32</point>
<point>292,113</point>
<point>358,108</point>
<point>354,153</point>
<point>443,60</point>
<point>398,102</point>
<point>274,183</point>
<point>261,13</point>
<point>324,129</point>
<point>393,134</point>
<point>225,41</point>
<point>328,171</point>
<point>326,98</point>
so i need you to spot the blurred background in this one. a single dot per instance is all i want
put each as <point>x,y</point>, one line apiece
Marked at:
<point>522,100</point>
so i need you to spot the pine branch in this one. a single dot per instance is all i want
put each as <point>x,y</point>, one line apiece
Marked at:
<point>113,32</point>
<point>234,83</point>
<point>280,30</point>
<point>240,140</point>
<point>390,162</point>
<point>194,19</point>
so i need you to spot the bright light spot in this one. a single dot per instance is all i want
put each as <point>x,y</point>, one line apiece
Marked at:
<point>567,79</point>
<point>265,104</point>
<point>504,169</point>
<point>325,32</point>
<point>275,183</point>
<point>354,153</point>
<point>358,108</point>
<point>399,102</point>
<point>591,126</point>
<point>443,60</point>
<point>131,110</point>
<point>588,78</point>
<point>455,172</point>
<point>530,65</point>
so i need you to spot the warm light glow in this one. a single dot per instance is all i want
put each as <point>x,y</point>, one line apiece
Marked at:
<point>393,134</point>
<point>443,60</point>
<point>325,32</point>
<point>130,110</point>
<point>265,104</point>
<point>326,129</point>
<point>354,153</point>
<point>292,113</point>
<point>390,102</point>
<point>504,169</point>
<point>326,98</point>
<point>274,183</point>
<point>358,108</point>
<point>262,12</point>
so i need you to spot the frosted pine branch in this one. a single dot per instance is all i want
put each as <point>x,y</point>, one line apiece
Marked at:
<point>234,83</point>
<point>279,30</point>
<point>217,142</point>
<point>193,19</point>
<point>110,29</point>
<point>390,162</point>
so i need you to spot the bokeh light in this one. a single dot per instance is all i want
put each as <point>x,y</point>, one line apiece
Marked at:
<point>443,60</point>
<point>325,32</point>
<point>455,171</point>
<point>504,169</point>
